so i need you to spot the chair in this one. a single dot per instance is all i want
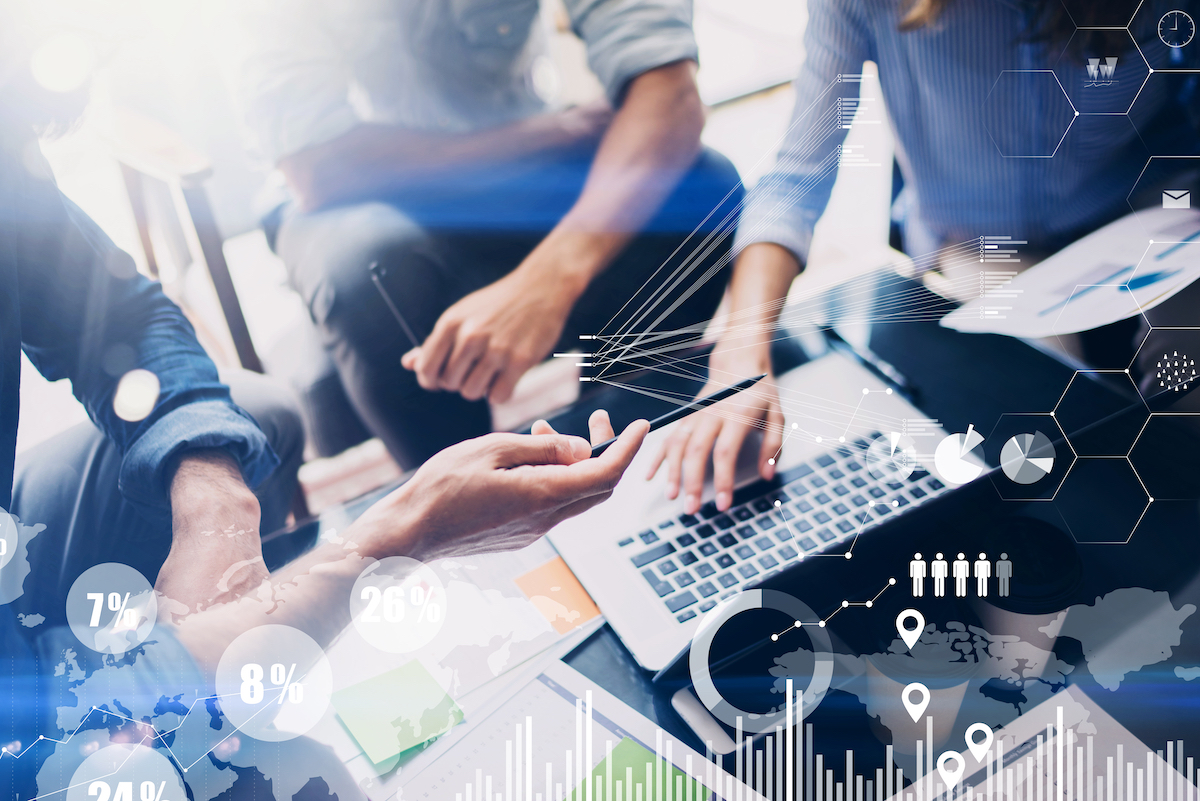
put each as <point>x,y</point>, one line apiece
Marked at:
<point>164,180</point>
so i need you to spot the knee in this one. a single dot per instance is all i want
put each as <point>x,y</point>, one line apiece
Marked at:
<point>330,253</point>
<point>713,168</point>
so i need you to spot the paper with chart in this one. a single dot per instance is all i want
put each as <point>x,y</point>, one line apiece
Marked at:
<point>501,610</point>
<point>1126,267</point>
<point>558,734</point>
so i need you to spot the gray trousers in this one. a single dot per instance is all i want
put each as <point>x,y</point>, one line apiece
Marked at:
<point>442,240</point>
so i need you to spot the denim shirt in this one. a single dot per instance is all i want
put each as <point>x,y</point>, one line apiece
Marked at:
<point>74,302</point>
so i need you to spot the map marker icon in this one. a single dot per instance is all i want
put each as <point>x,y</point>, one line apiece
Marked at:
<point>915,710</point>
<point>951,776</point>
<point>979,749</point>
<point>910,636</point>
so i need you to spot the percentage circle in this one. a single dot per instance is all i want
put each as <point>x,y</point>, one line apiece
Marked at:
<point>398,604</point>
<point>111,608</point>
<point>274,683</point>
<point>8,538</point>
<point>126,771</point>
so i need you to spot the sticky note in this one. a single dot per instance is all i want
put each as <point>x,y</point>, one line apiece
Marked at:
<point>558,595</point>
<point>396,711</point>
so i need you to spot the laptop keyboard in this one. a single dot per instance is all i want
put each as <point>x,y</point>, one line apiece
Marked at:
<point>694,561</point>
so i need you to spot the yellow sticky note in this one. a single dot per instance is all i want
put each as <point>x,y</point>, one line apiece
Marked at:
<point>396,711</point>
<point>558,595</point>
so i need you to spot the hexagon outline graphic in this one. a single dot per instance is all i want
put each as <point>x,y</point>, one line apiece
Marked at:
<point>1129,22</point>
<point>1138,352</point>
<point>1067,436</point>
<point>1136,48</point>
<point>1074,116</point>
<point>1101,371</point>
<point>1138,522</point>
<point>1128,25</point>
<point>1146,425</point>
<point>1138,180</point>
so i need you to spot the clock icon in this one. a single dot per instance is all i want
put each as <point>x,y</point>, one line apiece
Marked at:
<point>1176,28</point>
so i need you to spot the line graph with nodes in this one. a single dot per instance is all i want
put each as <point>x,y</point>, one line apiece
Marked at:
<point>846,604</point>
<point>154,735</point>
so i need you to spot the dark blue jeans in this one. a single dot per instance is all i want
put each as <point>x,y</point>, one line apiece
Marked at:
<point>441,240</point>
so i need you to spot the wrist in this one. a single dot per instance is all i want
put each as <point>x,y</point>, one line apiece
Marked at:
<point>391,527</point>
<point>740,354</point>
<point>205,480</point>
<point>562,265</point>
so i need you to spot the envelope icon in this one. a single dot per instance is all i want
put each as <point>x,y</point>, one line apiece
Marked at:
<point>1177,199</point>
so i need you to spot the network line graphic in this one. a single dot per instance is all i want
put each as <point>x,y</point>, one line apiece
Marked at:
<point>151,736</point>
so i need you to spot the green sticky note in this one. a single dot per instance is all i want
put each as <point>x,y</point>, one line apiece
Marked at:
<point>396,711</point>
<point>629,761</point>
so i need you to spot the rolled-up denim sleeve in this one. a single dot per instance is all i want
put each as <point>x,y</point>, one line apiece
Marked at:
<point>87,315</point>
<point>625,38</point>
<point>785,204</point>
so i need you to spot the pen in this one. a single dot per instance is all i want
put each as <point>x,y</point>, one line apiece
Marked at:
<point>873,363</point>
<point>376,271</point>
<point>688,408</point>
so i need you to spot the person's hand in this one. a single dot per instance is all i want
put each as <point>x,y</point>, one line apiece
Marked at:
<point>216,553</point>
<point>585,123</point>
<point>498,492</point>
<point>483,344</point>
<point>719,431</point>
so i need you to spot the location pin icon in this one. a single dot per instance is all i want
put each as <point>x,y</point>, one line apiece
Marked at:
<point>979,749</point>
<point>951,775</point>
<point>917,709</point>
<point>910,636</point>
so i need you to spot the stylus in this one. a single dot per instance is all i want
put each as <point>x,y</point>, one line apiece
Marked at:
<point>688,408</point>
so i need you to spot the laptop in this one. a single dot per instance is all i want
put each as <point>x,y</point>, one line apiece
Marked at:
<point>856,453</point>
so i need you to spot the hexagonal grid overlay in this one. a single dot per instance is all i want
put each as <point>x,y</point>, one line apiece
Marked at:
<point>1102,499</point>
<point>1161,198</point>
<point>1166,452</point>
<point>1166,40</point>
<point>1011,134</point>
<point>1102,70</point>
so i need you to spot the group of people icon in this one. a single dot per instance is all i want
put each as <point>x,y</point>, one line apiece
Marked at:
<point>939,570</point>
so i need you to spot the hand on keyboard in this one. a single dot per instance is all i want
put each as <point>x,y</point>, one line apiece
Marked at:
<point>720,431</point>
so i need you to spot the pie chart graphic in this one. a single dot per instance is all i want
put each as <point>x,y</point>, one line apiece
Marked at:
<point>1027,458</point>
<point>892,456</point>
<point>958,458</point>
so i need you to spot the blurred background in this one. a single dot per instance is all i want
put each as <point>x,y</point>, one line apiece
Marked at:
<point>160,146</point>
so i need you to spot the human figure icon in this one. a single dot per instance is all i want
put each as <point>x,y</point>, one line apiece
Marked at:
<point>962,572</point>
<point>983,572</point>
<point>1003,573</point>
<point>939,569</point>
<point>917,570</point>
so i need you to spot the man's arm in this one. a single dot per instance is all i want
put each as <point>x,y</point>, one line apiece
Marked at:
<point>496,493</point>
<point>484,343</point>
<point>370,158</point>
<point>773,238</point>
<point>87,315</point>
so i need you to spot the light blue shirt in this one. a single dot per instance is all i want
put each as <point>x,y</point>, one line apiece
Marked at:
<point>310,70</point>
<point>958,94</point>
